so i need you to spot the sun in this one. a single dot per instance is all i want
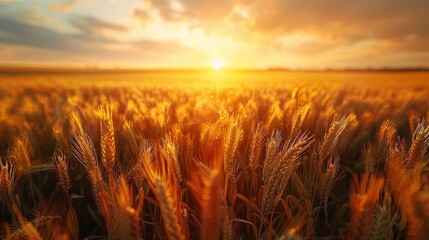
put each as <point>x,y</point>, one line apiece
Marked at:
<point>217,64</point>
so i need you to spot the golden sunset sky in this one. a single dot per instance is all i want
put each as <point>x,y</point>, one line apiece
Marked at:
<point>195,33</point>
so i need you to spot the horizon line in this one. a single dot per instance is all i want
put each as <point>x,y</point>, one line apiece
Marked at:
<point>27,68</point>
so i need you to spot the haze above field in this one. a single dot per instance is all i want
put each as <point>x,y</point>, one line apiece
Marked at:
<point>200,33</point>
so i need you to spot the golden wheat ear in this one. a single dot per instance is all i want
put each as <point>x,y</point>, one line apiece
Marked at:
<point>375,155</point>
<point>170,153</point>
<point>364,196</point>
<point>332,175</point>
<point>61,164</point>
<point>76,124</point>
<point>7,188</point>
<point>419,145</point>
<point>84,151</point>
<point>384,219</point>
<point>108,145</point>
<point>169,210</point>
<point>40,227</point>
<point>205,186</point>
<point>131,136</point>
<point>7,185</point>
<point>20,154</point>
<point>232,137</point>
<point>331,139</point>
<point>384,139</point>
<point>272,154</point>
<point>232,185</point>
<point>291,155</point>
<point>297,119</point>
<point>228,226</point>
<point>122,217</point>
<point>166,190</point>
<point>256,145</point>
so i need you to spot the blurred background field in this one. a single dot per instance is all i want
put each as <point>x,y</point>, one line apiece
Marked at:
<point>209,78</point>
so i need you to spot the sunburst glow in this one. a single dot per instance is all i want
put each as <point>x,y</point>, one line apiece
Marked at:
<point>217,64</point>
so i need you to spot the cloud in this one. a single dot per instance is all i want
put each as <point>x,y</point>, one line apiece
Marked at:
<point>165,48</point>
<point>27,39</point>
<point>348,22</point>
<point>29,15</point>
<point>204,11</point>
<point>19,33</point>
<point>65,6</point>
<point>91,35</point>
<point>170,52</point>
<point>141,14</point>
<point>93,26</point>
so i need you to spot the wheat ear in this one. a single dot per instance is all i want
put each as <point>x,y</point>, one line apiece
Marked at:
<point>20,154</point>
<point>60,162</point>
<point>256,147</point>
<point>169,210</point>
<point>419,145</point>
<point>364,195</point>
<point>108,146</point>
<point>279,178</point>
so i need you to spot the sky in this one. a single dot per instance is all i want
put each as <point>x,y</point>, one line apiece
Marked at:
<point>294,34</point>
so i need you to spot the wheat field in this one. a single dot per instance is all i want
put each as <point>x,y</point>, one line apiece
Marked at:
<point>214,155</point>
